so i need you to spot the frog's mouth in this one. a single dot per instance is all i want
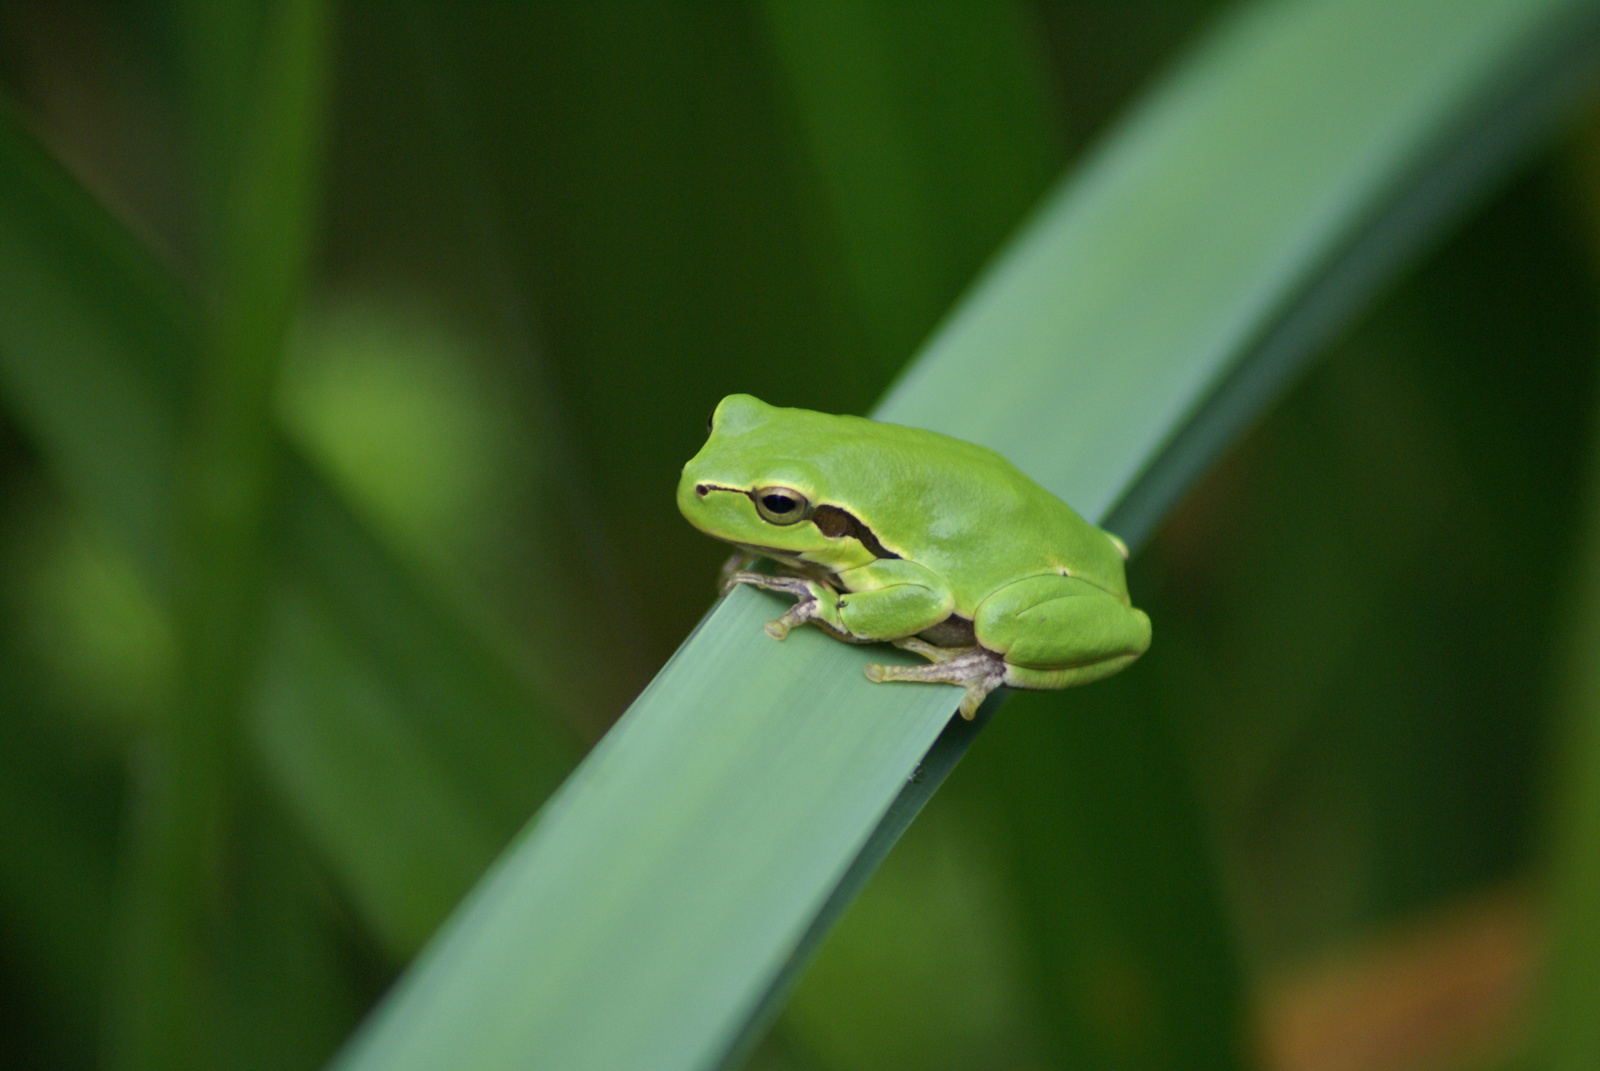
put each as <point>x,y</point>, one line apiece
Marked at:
<point>703,489</point>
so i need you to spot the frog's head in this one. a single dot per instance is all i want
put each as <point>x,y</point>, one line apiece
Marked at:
<point>759,482</point>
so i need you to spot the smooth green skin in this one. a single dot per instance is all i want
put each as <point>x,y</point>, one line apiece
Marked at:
<point>936,545</point>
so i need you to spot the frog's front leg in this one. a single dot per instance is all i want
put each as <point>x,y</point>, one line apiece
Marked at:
<point>814,601</point>
<point>728,575</point>
<point>886,600</point>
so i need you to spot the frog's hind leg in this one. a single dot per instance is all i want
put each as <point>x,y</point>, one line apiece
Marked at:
<point>1049,679</point>
<point>1062,630</point>
<point>981,671</point>
<point>975,669</point>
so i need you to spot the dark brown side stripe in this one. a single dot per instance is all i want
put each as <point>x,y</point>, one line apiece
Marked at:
<point>834,522</point>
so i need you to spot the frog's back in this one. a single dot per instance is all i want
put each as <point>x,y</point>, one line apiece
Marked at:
<point>960,509</point>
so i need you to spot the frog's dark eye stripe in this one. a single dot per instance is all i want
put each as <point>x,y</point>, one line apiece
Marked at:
<point>834,522</point>
<point>711,421</point>
<point>780,505</point>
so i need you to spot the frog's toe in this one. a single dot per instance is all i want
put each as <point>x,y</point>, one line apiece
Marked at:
<point>732,569</point>
<point>932,652</point>
<point>790,585</point>
<point>779,627</point>
<point>978,671</point>
<point>807,609</point>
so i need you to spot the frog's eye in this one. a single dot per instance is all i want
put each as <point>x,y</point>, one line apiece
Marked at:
<point>711,421</point>
<point>780,505</point>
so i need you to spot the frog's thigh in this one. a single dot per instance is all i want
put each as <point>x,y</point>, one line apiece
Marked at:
<point>893,598</point>
<point>1055,631</point>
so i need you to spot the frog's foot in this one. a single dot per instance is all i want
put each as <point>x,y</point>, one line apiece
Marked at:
<point>977,670</point>
<point>808,603</point>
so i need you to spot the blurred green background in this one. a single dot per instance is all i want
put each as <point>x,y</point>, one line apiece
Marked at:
<point>336,522</point>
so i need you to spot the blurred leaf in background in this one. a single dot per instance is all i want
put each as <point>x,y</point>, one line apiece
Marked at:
<point>540,242</point>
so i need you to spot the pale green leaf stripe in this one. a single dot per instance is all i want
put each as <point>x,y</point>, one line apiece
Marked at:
<point>642,919</point>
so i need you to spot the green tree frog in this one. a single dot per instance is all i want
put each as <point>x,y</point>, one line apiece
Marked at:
<point>938,546</point>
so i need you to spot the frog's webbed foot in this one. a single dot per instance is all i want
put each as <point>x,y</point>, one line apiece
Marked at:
<point>808,601</point>
<point>977,670</point>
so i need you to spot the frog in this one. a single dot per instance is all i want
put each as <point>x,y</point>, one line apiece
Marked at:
<point>885,533</point>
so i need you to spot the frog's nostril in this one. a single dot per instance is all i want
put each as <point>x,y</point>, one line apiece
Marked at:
<point>701,489</point>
